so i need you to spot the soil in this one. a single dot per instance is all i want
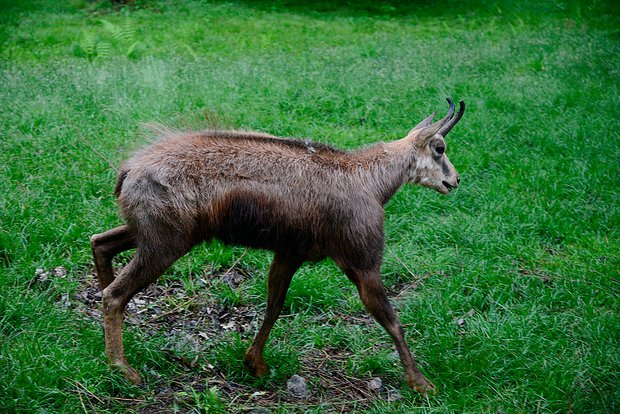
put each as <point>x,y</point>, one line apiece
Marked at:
<point>195,322</point>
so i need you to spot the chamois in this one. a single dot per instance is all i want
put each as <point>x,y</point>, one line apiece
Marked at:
<point>302,200</point>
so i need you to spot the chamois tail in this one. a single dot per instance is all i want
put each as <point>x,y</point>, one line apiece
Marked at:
<point>119,181</point>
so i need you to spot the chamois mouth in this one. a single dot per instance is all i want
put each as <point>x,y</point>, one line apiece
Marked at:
<point>447,185</point>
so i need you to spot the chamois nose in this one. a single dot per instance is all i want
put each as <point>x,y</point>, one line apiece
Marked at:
<point>458,179</point>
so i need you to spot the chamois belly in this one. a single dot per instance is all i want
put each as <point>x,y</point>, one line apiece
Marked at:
<point>244,218</point>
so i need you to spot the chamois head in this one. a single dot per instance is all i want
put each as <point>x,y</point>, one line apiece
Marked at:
<point>433,169</point>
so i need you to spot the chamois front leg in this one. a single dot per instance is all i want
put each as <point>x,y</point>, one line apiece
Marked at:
<point>278,281</point>
<point>372,294</point>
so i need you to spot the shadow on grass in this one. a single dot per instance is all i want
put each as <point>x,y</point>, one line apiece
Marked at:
<point>436,8</point>
<point>353,8</point>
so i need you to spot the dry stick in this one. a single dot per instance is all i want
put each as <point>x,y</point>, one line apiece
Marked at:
<point>97,151</point>
<point>343,377</point>
<point>416,279</point>
<point>88,393</point>
<point>236,262</point>
<point>400,261</point>
<point>82,402</point>
<point>172,311</point>
<point>349,381</point>
<point>83,388</point>
<point>232,266</point>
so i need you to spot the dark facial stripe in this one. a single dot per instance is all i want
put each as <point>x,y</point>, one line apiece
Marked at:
<point>444,167</point>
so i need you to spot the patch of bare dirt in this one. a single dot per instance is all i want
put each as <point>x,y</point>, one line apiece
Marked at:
<point>197,321</point>
<point>166,307</point>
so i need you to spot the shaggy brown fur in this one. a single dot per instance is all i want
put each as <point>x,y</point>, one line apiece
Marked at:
<point>304,201</point>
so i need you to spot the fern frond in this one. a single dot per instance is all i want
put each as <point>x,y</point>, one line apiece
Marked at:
<point>127,32</point>
<point>131,49</point>
<point>89,44</point>
<point>124,33</point>
<point>115,30</point>
<point>104,50</point>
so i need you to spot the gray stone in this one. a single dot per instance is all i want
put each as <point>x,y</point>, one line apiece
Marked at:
<point>376,385</point>
<point>297,386</point>
<point>60,272</point>
<point>394,395</point>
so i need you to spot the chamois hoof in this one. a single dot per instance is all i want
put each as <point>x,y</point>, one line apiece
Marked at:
<point>255,365</point>
<point>128,371</point>
<point>422,385</point>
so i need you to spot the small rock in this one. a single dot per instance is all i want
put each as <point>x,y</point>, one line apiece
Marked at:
<point>135,304</point>
<point>394,395</point>
<point>60,272</point>
<point>259,411</point>
<point>376,385</point>
<point>297,386</point>
<point>185,339</point>
<point>64,301</point>
<point>41,275</point>
<point>228,326</point>
<point>233,278</point>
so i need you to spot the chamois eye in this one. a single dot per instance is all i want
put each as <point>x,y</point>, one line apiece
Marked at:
<point>440,149</point>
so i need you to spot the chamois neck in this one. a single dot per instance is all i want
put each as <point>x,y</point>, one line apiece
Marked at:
<point>384,167</point>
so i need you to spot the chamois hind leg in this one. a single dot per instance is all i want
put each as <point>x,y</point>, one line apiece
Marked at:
<point>107,245</point>
<point>143,269</point>
<point>279,279</point>
<point>372,294</point>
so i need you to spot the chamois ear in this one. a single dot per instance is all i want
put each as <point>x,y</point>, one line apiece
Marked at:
<point>443,126</point>
<point>427,121</point>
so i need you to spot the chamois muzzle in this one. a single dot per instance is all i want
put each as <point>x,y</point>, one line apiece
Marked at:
<point>449,186</point>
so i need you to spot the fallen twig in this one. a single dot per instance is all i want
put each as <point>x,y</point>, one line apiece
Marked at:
<point>96,151</point>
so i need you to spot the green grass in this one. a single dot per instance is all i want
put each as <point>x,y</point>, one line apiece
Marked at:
<point>516,306</point>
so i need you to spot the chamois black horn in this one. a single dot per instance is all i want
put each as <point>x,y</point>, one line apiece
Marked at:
<point>443,131</point>
<point>445,119</point>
